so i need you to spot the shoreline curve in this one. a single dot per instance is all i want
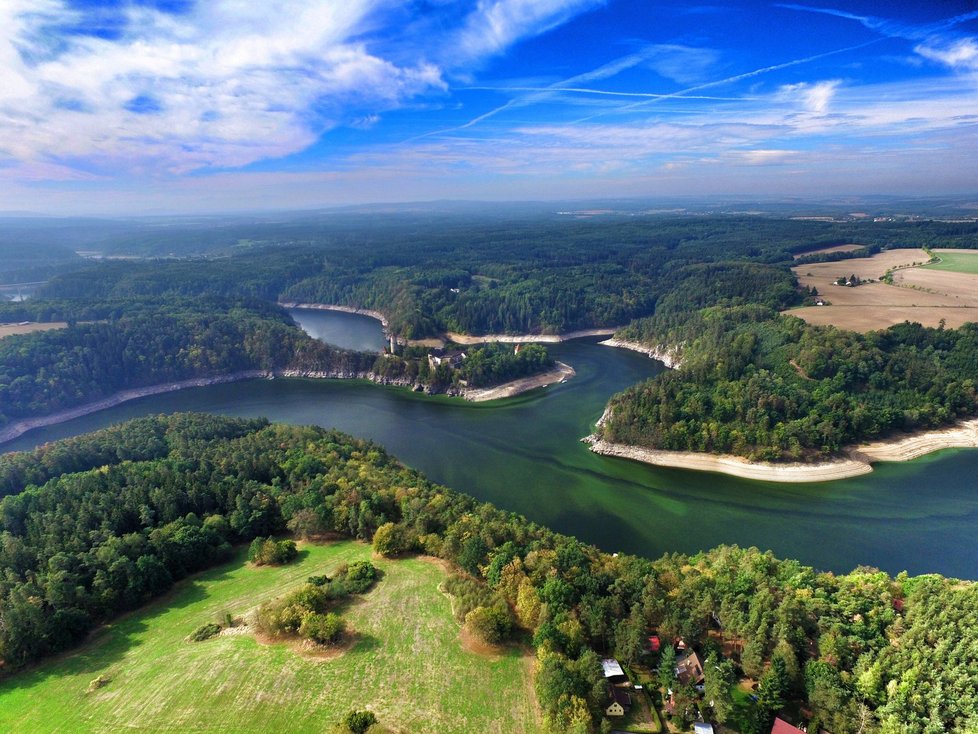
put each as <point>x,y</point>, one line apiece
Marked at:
<point>507,389</point>
<point>669,357</point>
<point>454,336</point>
<point>858,460</point>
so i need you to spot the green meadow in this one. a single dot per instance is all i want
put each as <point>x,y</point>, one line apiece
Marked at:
<point>957,262</point>
<point>407,664</point>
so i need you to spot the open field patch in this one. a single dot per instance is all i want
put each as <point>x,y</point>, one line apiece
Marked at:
<point>407,664</point>
<point>956,261</point>
<point>829,250</point>
<point>28,328</point>
<point>917,294</point>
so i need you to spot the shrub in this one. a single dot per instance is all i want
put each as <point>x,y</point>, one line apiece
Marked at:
<point>205,632</point>
<point>489,624</point>
<point>389,540</point>
<point>324,629</point>
<point>271,552</point>
<point>357,578</point>
<point>359,721</point>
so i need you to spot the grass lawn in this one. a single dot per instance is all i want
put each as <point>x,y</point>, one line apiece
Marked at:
<point>958,262</point>
<point>407,665</point>
<point>642,717</point>
<point>744,710</point>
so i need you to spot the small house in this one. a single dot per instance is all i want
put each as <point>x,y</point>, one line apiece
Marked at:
<point>452,358</point>
<point>620,703</point>
<point>655,644</point>
<point>689,669</point>
<point>701,727</point>
<point>613,672</point>
<point>783,727</point>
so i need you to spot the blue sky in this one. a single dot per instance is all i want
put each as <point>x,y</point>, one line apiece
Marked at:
<point>180,105</point>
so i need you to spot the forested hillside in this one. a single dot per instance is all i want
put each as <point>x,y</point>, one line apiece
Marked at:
<point>862,652</point>
<point>480,276</point>
<point>770,387</point>
<point>151,342</point>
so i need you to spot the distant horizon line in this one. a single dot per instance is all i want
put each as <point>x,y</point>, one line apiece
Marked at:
<point>967,200</point>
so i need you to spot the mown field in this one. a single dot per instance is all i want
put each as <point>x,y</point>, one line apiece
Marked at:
<point>957,261</point>
<point>407,665</point>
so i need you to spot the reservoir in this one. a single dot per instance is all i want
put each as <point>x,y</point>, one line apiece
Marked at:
<point>524,454</point>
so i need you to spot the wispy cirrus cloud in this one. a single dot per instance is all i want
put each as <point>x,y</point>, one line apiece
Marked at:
<point>494,25</point>
<point>224,83</point>
<point>938,41</point>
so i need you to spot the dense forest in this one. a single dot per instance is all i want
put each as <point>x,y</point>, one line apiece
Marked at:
<point>861,652</point>
<point>531,275</point>
<point>771,387</point>
<point>765,395</point>
<point>151,343</point>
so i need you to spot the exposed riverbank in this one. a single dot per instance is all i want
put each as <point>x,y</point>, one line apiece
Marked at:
<point>453,336</point>
<point>858,460</point>
<point>508,389</point>
<point>527,338</point>
<point>19,428</point>
<point>669,357</point>
<point>562,373</point>
<point>342,309</point>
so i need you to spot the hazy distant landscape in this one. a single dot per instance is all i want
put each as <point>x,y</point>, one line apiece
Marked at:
<point>566,366</point>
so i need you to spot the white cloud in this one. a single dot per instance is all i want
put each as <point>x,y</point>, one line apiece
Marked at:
<point>959,54</point>
<point>496,24</point>
<point>683,64</point>
<point>814,98</point>
<point>230,83</point>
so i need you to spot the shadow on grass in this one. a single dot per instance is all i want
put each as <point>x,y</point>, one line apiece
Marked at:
<point>107,644</point>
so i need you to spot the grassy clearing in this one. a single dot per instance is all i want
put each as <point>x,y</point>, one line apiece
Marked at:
<point>957,262</point>
<point>407,665</point>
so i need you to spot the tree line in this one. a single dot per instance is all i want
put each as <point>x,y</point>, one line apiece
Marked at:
<point>770,387</point>
<point>860,652</point>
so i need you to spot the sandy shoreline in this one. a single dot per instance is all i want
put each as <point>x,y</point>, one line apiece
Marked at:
<point>19,428</point>
<point>527,338</point>
<point>452,336</point>
<point>858,461</point>
<point>506,390</point>
<point>669,357</point>
<point>524,384</point>
<point>342,309</point>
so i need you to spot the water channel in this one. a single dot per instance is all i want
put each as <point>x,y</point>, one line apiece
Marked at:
<point>523,454</point>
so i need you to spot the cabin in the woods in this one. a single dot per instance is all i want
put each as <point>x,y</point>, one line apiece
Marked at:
<point>620,701</point>
<point>689,668</point>
<point>452,358</point>
<point>783,727</point>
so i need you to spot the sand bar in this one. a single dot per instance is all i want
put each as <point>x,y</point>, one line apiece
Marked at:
<point>562,373</point>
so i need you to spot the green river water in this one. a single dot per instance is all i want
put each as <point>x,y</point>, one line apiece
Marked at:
<point>524,454</point>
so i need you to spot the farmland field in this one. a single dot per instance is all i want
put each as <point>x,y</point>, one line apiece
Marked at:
<point>957,261</point>
<point>829,250</point>
<point>918,293</point>
<point>407,665</point>
<point>11,329</point>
